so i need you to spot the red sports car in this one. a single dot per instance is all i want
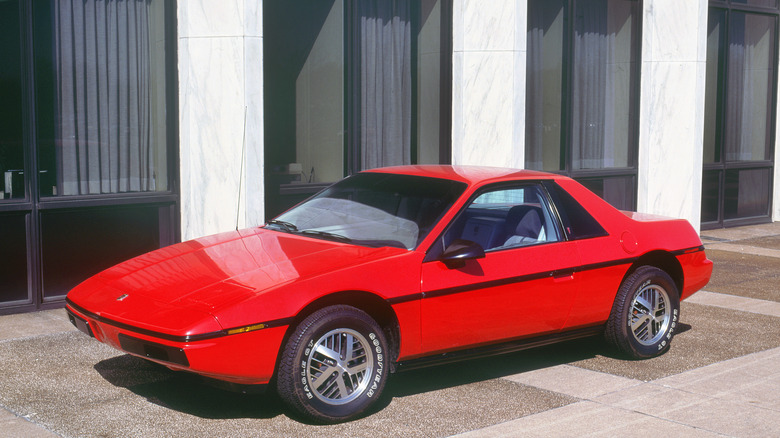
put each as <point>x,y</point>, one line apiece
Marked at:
<point>398,268</point>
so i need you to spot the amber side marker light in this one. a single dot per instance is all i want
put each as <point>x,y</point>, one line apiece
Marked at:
<point>249,328</point>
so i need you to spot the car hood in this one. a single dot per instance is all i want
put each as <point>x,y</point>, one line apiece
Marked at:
<point>185,285</point>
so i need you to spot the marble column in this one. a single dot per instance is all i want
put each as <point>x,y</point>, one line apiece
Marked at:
<point>220,115</point>
<point>488,82</point>
<point>671,117</point>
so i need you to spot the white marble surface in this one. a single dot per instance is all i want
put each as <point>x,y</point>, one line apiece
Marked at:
<point>671,119</point>
<point>486,28</point>
<point>672,30</point>
<point>211,18</point>
<point>254,189</point>
<point>220,84</point>
<point>488,114</point>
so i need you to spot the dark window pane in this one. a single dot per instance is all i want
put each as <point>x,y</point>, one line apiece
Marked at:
<point>710,193</point>
<point>746,193</point>
<point>13,258</point>
<point>763,3</point>
<point>100,81</point>
<point>751,65</point>
<point>710,188</point>
<point>712,108</point>
<point>544,84</point>
<point>81,243</point>
<point>303,51</point>
<point>304,115</point>
<point>604,77</point>
<point>352,85</point>
<point>430,85</point>
<point>381,79</point>
<point>11,151</point>
<point>620,191</point>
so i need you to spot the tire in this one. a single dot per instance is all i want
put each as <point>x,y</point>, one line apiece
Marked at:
<point>333,367</point>
<point>645,314</point>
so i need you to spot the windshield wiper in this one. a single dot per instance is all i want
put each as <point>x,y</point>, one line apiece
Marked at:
<point>326,235</point>
<point>285,226</point>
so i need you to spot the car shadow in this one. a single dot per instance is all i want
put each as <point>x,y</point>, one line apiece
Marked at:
<point>405,383</point>
<point>187,393</point>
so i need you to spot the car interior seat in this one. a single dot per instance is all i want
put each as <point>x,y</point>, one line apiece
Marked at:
<point>528,229</point>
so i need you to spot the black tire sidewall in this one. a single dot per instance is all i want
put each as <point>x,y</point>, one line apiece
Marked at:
<point>619,331</point>
<point>293,387</point>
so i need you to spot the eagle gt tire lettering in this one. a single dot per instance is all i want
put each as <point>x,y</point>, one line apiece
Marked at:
<point>333,367</point>
<point>645,314</point>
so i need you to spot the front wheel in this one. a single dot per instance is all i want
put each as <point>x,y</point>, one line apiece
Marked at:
<point>645,313</point>
<point>333,367</point>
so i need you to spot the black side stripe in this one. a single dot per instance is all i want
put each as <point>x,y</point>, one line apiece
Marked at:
<point>166,336</point>
<point>524,278</point>
<point>527,277</point>
<point>404,299</point>
<point>687,250</point>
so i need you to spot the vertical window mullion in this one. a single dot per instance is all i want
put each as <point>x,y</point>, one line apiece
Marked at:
<point>568,70</point>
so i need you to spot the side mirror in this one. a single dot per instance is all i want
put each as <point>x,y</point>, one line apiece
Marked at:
<point>460,250</point>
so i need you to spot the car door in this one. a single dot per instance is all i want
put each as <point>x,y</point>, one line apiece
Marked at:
<point>523,285</point>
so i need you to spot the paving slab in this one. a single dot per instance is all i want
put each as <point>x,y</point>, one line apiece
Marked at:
<point>735,273</point>
<point>753,379</point>
<point>574,381</point>
<point>740,233</point>
<point>739,397</point>
<point>726,301</point>
<point>589,419</point>
<point>771,242</point>
<point>25,325</point>
<point>12,425</point>
<point>744,249</point>
<point>706,335</point>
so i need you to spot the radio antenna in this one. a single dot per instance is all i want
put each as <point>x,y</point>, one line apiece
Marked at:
<point>241,172</point>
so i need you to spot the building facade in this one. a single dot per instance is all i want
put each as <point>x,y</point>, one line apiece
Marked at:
<point>130,125</point>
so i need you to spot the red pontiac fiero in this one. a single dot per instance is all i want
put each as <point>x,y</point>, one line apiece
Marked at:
<point>398,268</point>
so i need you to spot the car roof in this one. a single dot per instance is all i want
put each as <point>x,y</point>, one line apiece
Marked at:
<point>469,174</point>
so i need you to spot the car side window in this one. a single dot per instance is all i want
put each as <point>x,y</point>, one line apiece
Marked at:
<point>506,217</point>
<point>577,222</point>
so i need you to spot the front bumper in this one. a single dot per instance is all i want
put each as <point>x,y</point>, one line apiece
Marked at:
<point>247,358</point>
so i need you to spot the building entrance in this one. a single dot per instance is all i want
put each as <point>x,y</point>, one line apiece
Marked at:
<point>87,142</point>
<point>739,129</point>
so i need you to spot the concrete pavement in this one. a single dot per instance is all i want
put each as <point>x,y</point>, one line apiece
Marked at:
<point>720,378</point>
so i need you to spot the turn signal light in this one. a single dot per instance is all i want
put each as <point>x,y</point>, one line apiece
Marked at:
<point>249,328</point>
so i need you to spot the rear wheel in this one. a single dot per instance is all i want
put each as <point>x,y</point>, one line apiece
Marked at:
<point>645,313</point>
<point>333,367</point>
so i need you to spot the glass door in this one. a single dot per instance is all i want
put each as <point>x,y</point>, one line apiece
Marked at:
<point>739,117</point>
<point>582,93</point>
<point>87,142</point>
<point>15,205</point>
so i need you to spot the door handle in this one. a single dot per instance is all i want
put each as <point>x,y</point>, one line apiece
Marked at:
<point>560,276</point>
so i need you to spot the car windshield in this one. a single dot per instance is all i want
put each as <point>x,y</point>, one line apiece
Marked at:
<point>373,209</point>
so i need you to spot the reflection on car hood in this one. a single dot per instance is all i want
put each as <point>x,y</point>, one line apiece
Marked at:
<point>213,272</point>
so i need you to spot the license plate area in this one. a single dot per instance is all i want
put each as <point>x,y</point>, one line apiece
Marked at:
<point>81,324</point>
